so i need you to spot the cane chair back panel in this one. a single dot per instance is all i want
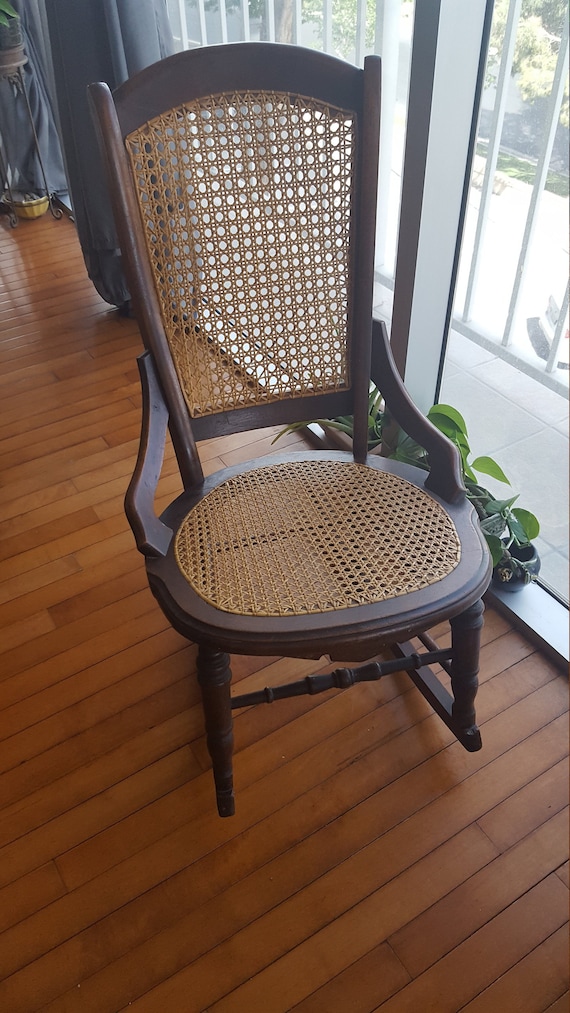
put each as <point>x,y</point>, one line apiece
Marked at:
<point>246,205</point>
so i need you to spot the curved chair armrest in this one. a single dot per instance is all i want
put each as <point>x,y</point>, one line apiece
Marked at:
<point>152,536</point>
<point>445,476</point>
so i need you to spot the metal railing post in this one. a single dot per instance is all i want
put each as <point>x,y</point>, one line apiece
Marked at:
<point>244,11</point>
<point>327,26</point>
<point>183,24</point>
<point>270,8</point>
<point>492,150</point>
<point>297,21</point>
<point>360,41</point>
<point>202,21</point>
<point>553,114</point>
<point>223,20</point>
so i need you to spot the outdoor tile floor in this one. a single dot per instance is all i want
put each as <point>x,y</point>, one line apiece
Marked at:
<point>524,427</point>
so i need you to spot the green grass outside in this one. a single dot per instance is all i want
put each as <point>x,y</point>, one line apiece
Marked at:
<point>521,168</point>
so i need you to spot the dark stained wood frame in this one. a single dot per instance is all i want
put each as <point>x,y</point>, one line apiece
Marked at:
<point>357,633</point>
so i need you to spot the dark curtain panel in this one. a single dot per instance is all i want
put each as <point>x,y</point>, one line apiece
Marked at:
<point>15,129</point>
<point>99,40</point>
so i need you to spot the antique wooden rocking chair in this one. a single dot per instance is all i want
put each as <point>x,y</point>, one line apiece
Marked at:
<point>244,185</point>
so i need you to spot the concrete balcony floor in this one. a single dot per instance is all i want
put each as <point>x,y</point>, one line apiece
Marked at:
<point>524,426</point>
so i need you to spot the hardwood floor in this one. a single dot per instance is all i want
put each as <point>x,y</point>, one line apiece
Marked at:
<point>372,864</point>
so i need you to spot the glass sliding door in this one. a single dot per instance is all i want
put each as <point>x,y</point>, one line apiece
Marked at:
<point>506,367</point>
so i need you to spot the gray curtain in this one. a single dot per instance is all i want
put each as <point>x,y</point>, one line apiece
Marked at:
<point>17,135</point>
<point>99,40</point>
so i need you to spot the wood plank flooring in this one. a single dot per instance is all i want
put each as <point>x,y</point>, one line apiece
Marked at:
<point>372,864</point>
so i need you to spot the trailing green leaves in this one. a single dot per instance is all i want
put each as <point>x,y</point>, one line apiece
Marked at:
<point>6,12</point>
<point>487,466</point>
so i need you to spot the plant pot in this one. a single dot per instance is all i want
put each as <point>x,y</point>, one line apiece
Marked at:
<point>11,60</point>
<point>11,34</point>
<point>519,566</point>
<point>26,205</point>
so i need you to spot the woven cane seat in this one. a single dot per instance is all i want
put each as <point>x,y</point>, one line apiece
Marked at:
<point>310,536</point>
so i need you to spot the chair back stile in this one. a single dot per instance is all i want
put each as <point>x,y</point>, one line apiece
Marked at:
<point>364,267</point>
<point>141,283</point>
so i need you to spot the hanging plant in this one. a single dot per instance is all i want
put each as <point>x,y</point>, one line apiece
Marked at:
<point>7,12</point>
<point>11,40</point>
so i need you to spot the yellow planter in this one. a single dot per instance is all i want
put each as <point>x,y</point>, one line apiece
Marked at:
<point>28,208</point>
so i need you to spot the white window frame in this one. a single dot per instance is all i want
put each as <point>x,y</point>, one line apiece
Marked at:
<point>449,43</point>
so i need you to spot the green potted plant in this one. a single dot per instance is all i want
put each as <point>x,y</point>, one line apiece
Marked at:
<point>509,530</point>
<point>12,53</point>
<point>340,429</point>
<point>12,58</point>
<point>7,13</point>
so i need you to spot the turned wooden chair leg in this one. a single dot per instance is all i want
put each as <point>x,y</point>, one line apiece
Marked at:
<point>214,677</point>
<point>465,641</point>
